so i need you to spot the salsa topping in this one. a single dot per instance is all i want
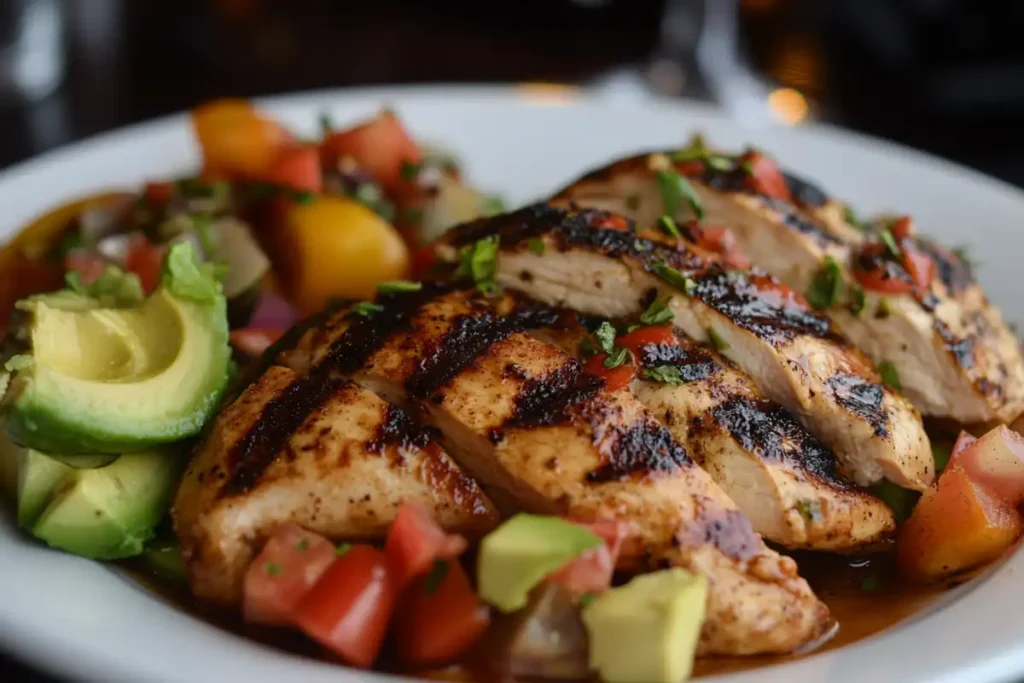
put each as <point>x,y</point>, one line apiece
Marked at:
<point>894,263</point>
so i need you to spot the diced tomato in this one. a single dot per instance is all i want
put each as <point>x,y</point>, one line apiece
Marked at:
<point>435,624</point>
<point>779,293</point>
<point>765,177</point>
<point>145,260</point>
<point>956,525</point>
<point>159,193</point>
<point>878,281</point>
<point>237,141</point>
<point>290,563</point>
<point>614,378</point>
<point>902,228</point>
<point>690,168</point>
<point>415,541</point>
<point>381,146</point>
<point>650,335</point>
<point>253,341</point>
<point>87,263</point>
<point>592,571</point>
<point>919,265</point>
<point>423,260</point>
<point>610,221</point>
<point>297,168</point>
<point>347,610</point>
<point>995,461</point>
<point>722,240</point>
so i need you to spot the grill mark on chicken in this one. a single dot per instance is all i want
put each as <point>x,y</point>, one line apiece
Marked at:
<point>693,363</point>
<point>805,192</point>
<point>399,430</point>
<point>862,397</point>
<point>643,448</point>
<point>962,349</point>
<point>740,300</point>
<point>469,336</point>
<point>279,419</point>
<point>768,430</point>
<point>545,401</point>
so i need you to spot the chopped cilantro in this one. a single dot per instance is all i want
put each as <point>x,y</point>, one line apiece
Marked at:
<point>675,278</point>
<point>696,150</point>
<point>587,348</point>
<point>850,216</point>
<point>536,245</point>
<point>409,170</point>
<point>747,167</point>
<point>303,545</point>
<point>366,308</point>
<point>890,377</point>
<point>658,312</point>
<point>273,569</point>
<point>616,357</point>
<point>342,549</point>
<point>668,225</point>
<point>605,334</point>
<point>666,374</point>
<point>492,205</point>
<point>399,286</point>
<point>720,162</point>
<point>857,304</point>
<point>435,577</point>
<point>890,242</point>
<point>716,340</point>
<point>641,245</point>
<point>900,500</point>
<point>479,261</point>
<point>827,286</point>
<point>304,197</point>
<point>326,124</point>
<point>587,599</point>
<point>674,188</point>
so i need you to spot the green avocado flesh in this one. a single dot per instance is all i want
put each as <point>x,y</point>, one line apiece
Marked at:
<point>521,552</point>
<point>104,513</point>
<point>647,630</point>
<point>100,379</point>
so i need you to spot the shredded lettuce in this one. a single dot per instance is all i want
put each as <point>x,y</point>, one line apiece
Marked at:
<point>187,277</point>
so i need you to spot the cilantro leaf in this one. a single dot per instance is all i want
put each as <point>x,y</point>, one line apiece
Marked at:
<point>827,286</point>
<point>890,243</point>
<point>857,305</point>
<point>605,334</point>
<point>658,312</point>
<point>617,357</point>
<point>536,246</point>
<point>366,308</point>
<point>666,374</point>
<point>398,286</point>
<point>669,226</point>
<point>674,188</point>
<point>675,278</point>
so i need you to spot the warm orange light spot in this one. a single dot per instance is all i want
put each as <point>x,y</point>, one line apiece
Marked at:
<point>789,105</point>
<point>555,94</point>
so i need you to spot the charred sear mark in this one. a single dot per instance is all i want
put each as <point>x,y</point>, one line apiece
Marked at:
<point>693,362</point>
<point>729,530</point>
<point>469,336</point>
<point>795,220</point>
<point>644,448</point>
<point>574,229</point>
<point>805,192</point>
<point>267,436</point>
<point>546,400</point>
<point>398,430</point>
<point>962,348</point>
<point>769,431</point>
<point>861,397</point>
<point>956,275</point>
<point>367,334</point>
<point>740,300</point>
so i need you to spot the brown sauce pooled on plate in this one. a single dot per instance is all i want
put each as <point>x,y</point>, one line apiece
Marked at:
<point>866,596</point>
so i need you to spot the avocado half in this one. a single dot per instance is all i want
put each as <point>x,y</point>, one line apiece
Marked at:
<point>97,378</point>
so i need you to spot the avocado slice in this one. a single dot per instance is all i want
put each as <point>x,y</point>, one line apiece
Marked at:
<point>646,631</point>
<point>110,512</point>
<point>517,556</point>
<point>103,377</point>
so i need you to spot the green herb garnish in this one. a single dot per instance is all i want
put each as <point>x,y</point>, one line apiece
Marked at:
<point>720,162</point>
<point>641,245</point>
<point>617,357</point>
<point>890,243</point>
<point>850,216</point>
<point>326,124</point>
<point>303,545</point>
<point>666,374</point>
<point>890,377</point>
<point>870,582</point>
<point>883,310</point>
<point>273,569</point>
<point>668,225</point>
<point>408,170</point>
<point>696,150</point>
<point>900,500</point>
<point>857,304</point>
<point>399,287</point>
<point>675,278</point>
<point>479,261</point>
<point>536,246</point>
<point>366,308</point>
<point>303,198</point>
<point>827,286</point>
<point>605,334</point>
<point>810,510</point>
<point>587,599</point>
<point>716,340</point>
<point>587,348</point>
<point>342,549</point>
<point>492,205</point>
<point>674,188</point>
<point>658,312</point>
<point>435,577</point>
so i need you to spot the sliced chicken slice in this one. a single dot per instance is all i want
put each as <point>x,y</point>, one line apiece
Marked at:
<point>569,258</point>
<point>955,356</point>
<point>543,436</point>
<point>320,452</point>
<point>779,475</point>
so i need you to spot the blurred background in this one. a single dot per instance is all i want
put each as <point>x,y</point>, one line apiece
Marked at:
<point>943,75</point>
<point>946,76</point>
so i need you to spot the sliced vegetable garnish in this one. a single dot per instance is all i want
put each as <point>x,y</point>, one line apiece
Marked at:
<point>675,278</point>
<point>674,188</point>
<point>827,286</point>
<point>399,287</point>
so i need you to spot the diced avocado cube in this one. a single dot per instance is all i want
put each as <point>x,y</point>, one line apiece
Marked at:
<point>646,631</point>
<point>517,556</point>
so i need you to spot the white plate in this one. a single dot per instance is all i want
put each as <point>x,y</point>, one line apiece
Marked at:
<point>80,619</point>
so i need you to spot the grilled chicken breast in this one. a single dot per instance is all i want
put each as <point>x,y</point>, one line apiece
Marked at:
<point>321,452</point>
<point>955,357</point>
<point>542,436</point>
<point>569,258</point>
<point>779,475</point>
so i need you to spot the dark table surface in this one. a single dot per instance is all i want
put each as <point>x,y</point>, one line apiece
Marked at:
<point>133,61</point>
